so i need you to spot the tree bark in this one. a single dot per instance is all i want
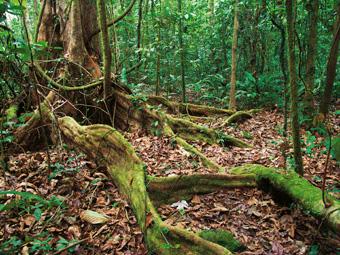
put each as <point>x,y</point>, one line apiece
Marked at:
<point>181,49</point>
<point>158,61</point>
<point>313,8</point>
<point>331,68</point>
<point>283,62</point>
<point>106,50</point>
<point>232,94</point>
<point>139,31</point>
<point>290,7</point>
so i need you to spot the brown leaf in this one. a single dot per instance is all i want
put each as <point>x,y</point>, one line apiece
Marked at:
<point>25,250</point>
<point>148,220</point>
<point>196,199</point>
<point>29,219</point>
<point>219,208</point>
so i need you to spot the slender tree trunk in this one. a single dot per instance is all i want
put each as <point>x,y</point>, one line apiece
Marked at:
<point>181,46</point>
<point>331,68</point>
<point>283,65</point>
<point>105,43</point>
<point>211,11</point>
<point>232,95</point>
<point>158,61</point>
<point>311,53</point>
<point>254,49</point>
<point>290,7</point>
<point>139,30</point>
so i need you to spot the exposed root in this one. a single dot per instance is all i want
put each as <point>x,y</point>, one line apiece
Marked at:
<point>190,148</point>
<point>132,112</point>
<point>239,116</point>
<point>108,147</point>
<point>175,188</point>
<point>223,238</point>
<point>289,185</point>
<point>186,108</point>
<point>194,132</point>
<point>27,134</point>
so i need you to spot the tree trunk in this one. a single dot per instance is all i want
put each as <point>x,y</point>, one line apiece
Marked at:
<point>105,44</point>
<point>77,20</point>
<point>158,61</point>
<point>331,68</point>
<point>139,31</point>
<point>313,8</point>
<point>283,64</point>
<point>232,94</point>
<point>290,7</point>
<point>181,49</point>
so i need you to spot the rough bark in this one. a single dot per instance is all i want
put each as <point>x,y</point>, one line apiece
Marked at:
<point>181,48</point>
<point>331,67</point>
<point>232,94</point>
<point>283,65</point>
<point>290,7</point>
<point>313,8</point>
<point>106,50</point>
<point>76,20</point>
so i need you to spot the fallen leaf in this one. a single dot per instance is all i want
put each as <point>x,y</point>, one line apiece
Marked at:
<point>148,220</point>
<point>94,217</point>
<point>29,219</point>
<point>180,205</point>
<point>196,199</point>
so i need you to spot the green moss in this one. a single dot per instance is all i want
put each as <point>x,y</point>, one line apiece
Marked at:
<point>11,112</point>
<point>288,184</point>
<point>223,238</point>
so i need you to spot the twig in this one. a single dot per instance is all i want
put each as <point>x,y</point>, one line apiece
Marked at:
<point>70,246</point>
<point>326,204</point>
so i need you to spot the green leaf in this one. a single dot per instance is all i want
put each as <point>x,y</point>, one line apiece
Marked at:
<point>37,214</point>
<point>314,250</point>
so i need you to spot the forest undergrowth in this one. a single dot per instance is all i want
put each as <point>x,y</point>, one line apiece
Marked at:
<point>72,184</point>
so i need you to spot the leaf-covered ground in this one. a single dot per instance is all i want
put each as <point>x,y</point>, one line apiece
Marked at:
<point>74,184</point>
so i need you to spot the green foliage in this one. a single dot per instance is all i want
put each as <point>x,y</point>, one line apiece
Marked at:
<point>247,135</point>
<point>41,245</point>
<point>138,101</point>
<point>336,148</point>
<point>59,169</point>
<point>11,246</point>
<point>310,143</point>
<point>63,243</point>
<point>155,128</point>
<point>29,203</point>
<point>314,250</point>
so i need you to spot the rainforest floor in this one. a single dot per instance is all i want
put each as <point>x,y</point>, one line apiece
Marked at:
<point>264,226</point>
